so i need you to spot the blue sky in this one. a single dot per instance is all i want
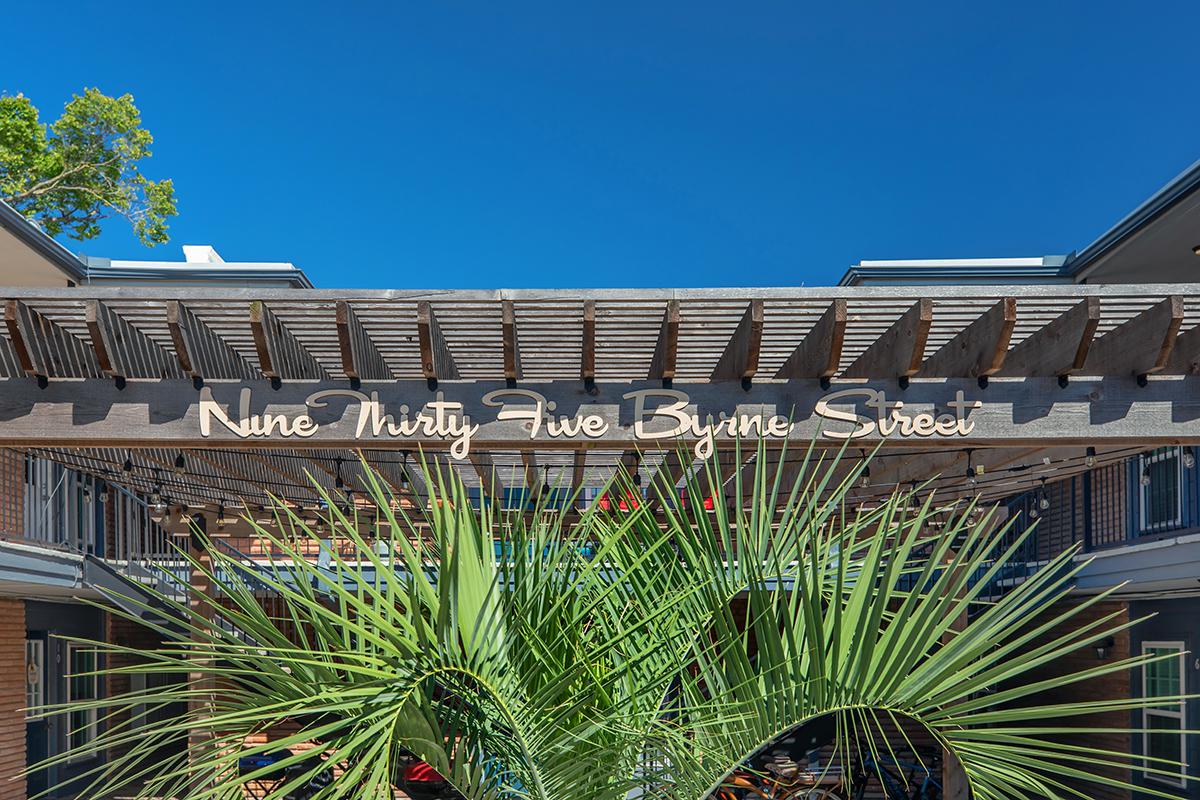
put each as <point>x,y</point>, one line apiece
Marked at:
<point>536,144</point>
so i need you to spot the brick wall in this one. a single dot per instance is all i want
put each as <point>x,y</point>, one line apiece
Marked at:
<point>1113,686</point>
<point>12,698</point>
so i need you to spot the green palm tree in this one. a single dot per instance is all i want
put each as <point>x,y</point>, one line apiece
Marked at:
<point>640,648</point>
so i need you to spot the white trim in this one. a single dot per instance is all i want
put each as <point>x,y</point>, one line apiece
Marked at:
<point>1180,715</point>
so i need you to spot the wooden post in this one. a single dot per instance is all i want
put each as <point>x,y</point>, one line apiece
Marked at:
<point>201,602</point>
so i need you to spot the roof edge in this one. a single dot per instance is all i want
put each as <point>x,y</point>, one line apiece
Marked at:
<point>1158,203</point>
<point>16,223</point>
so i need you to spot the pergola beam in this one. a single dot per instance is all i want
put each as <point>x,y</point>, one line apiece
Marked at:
<point>739,361</point>
<point>1059,348</point>
<point>587,349</point>
<point>280,354</point>
<point>437,362</point>
<point>1140,346</point>
<point>666,348</point>
<point>360,358</point>
<point>17,321</point>
<point>201,353</point>
<point>820,351</point>
<point>512,346</point>
<point>897,353</point>
<point>978,350</point>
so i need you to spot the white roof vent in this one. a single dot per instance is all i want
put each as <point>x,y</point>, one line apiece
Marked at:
<point>201,254</point>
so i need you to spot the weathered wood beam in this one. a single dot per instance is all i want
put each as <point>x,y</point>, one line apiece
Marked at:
<point>1185,355</point>
<point>280,353</point>
<point>739,361</point>
<point>898,353</point>
<point>1059,348</point>
<point>437,362</point>
<point>578,468</point>
<point>512,345</point>
<point>360,357</point>
<point>45,349</point>
<point>1140,346</point>
<point>16,320</point>
<point>200,352</point>
<point>666,349</point>
<point>168,413</point>
<point>98,318</point>
<point>820,351</point>
<point>979,349</point>
<point>533,485</point>
<point>587,350</point>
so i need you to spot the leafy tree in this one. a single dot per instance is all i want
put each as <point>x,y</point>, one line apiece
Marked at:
<point>83,168</point>
<point>526,658</point>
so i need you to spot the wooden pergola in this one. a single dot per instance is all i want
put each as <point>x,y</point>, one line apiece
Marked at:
<point>1040,381</point>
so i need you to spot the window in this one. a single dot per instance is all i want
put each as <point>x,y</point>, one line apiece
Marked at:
<point>1160,479</point>
<point>81,687</point>
<point>35,685</point>
<point>1164,724</point>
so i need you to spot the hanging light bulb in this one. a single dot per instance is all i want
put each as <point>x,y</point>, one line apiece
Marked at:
<point>180,463</point>
<point>864,477</point>
<point>1189,459</point>
<point>546,480</point>
<point>1034,513</point>
<point>221,521</point>
<point>128,465</point>
<point>972,479</point>
<point>1043,498</point>
<point>637,472</point>
<point>404,471</point>
<point>1089,458</point>
<point>1145,478</point>
<point>87,493</point>
<point>339,483</point>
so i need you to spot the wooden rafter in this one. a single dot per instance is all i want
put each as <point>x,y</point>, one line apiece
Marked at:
<point>1140,346</point>
<point>360,357</point>
<point>1059,348</point>
<point>739,361</point>
<point>978,350</point>
<point>437,362</point>
<point>898,353</point>
<point>666,348</point>
<point>820,351</point>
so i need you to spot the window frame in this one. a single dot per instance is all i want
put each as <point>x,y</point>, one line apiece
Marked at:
<point>93,720</point>
<point>1144,462</point>
<point>1179,714</point>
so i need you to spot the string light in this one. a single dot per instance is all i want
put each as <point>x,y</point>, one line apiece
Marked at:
<point>864,477</point>
<point>339,483</point>
<point>180,464</point>
<point>1089,458</point>
<point>1044,499</point>
<point>1189,459</point>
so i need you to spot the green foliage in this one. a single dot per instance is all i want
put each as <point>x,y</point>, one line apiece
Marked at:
<point>83,168</point>
<point>527,658</point>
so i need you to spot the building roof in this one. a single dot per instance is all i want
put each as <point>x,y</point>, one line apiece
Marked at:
<point>1155,243</point>
<point>28,237</point>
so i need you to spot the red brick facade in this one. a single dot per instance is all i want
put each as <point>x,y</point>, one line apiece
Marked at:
<point>12,699</point>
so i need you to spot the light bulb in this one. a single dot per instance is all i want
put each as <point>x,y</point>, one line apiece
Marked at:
<point>1089,458</point>
<point>1145,479</point>
<point>1044,503</point>
<point>1189,460</point>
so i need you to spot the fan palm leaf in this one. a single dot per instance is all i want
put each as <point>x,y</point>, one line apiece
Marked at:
<point>648,647</point>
